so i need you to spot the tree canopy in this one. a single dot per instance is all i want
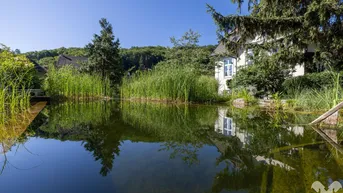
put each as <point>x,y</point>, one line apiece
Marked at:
<point>186,51</point>
<point>140,58</point>
<point>293,25</point>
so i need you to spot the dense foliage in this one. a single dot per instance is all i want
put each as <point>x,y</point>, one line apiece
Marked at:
<point>141,58</point>
<point>292,24</point>
<point>103,54</point>
<point>264,74</point>
<point>309,81</point>
<point>187,52</point>
<point>16,72</point>
<point>69,82</point>
<point>15,69</point>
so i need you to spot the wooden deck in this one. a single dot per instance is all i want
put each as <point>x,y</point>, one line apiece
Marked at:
<point>11,132</point>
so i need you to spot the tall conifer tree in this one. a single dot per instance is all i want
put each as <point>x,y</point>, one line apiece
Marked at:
<point>293,24</point>
<point>103,54</point>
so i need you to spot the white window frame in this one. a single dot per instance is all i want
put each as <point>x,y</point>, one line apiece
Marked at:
<point>228,126</point>
<point>228,67</point>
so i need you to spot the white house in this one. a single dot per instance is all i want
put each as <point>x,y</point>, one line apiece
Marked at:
<point>228,65</point>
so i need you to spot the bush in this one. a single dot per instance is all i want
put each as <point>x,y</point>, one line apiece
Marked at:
<point>309,81</point>
<point>265,75</point>
<point>170,83</point>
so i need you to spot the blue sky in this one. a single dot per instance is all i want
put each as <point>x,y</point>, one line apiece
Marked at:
<point>46,24</point>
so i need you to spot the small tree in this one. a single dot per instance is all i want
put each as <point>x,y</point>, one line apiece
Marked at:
<point>186,51</point>
<point>103,54</point>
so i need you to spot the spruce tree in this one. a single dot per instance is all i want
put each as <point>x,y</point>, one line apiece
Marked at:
<point>103,54</point>
<point>292,24</point>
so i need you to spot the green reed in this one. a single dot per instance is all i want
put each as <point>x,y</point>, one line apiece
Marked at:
<point>69,116</point>
<point>180,122</point>
<point>170,83</point>
<point>319,99</point>
<point>13,97</point>
<point>69,82</point>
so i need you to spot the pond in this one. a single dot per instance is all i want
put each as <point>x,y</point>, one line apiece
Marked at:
<point>139,147</point>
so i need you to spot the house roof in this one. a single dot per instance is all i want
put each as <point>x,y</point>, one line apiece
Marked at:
<point>221,48</point>
<point>38,67</point>
<point>75,61</point>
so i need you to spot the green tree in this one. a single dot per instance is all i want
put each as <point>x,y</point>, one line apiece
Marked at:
<point>137,58</point>
<point>187,52</point>
<point>189,39</point>
<point>292,25</point>
<point>103,54</point>
<point>266,75</point>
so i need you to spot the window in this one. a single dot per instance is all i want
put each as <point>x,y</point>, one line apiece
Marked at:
<point>227,130</point>
<point>228,67</point>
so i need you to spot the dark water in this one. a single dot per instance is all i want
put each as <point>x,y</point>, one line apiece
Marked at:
<point>132,147</point>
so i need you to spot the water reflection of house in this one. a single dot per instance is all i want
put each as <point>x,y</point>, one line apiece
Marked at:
<point>297,130</point>
<point>226,126</point>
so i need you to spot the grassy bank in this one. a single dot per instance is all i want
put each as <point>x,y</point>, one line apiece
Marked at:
<point>170,83</point>
<point>70,83</point>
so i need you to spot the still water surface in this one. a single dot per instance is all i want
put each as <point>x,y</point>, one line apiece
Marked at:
<point>135,147</point>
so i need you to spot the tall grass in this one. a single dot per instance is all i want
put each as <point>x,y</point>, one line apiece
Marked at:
<point>319,99</point>
<point>315,99</point>
<point>16,73</point>
<point>170,83</point>
<point>69,82</point>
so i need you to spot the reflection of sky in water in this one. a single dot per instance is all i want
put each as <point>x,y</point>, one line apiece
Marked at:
<point>67,167</point>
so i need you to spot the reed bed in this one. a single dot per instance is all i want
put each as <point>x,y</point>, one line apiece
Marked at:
<point>70,83</point>
<point>171,122</point>
<point>323,99</point>
<point>319,99</point>
<point>16,74</point>
<point>69,116</point>
<point>170,83</point>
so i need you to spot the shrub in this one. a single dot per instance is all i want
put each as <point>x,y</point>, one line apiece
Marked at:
<point>245,95</point>
<point>265,75</point>
<point>309,81</point>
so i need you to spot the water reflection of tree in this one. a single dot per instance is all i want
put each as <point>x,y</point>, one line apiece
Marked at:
<point>105,147</point>
<point>88,122</point>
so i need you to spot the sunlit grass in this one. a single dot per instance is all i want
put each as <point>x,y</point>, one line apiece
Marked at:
<point>70,83</point>
<point>170,83</point>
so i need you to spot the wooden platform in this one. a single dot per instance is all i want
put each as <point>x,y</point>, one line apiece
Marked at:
<point>19,126</point>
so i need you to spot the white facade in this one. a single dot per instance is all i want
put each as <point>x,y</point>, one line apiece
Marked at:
<point>227,67</point>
